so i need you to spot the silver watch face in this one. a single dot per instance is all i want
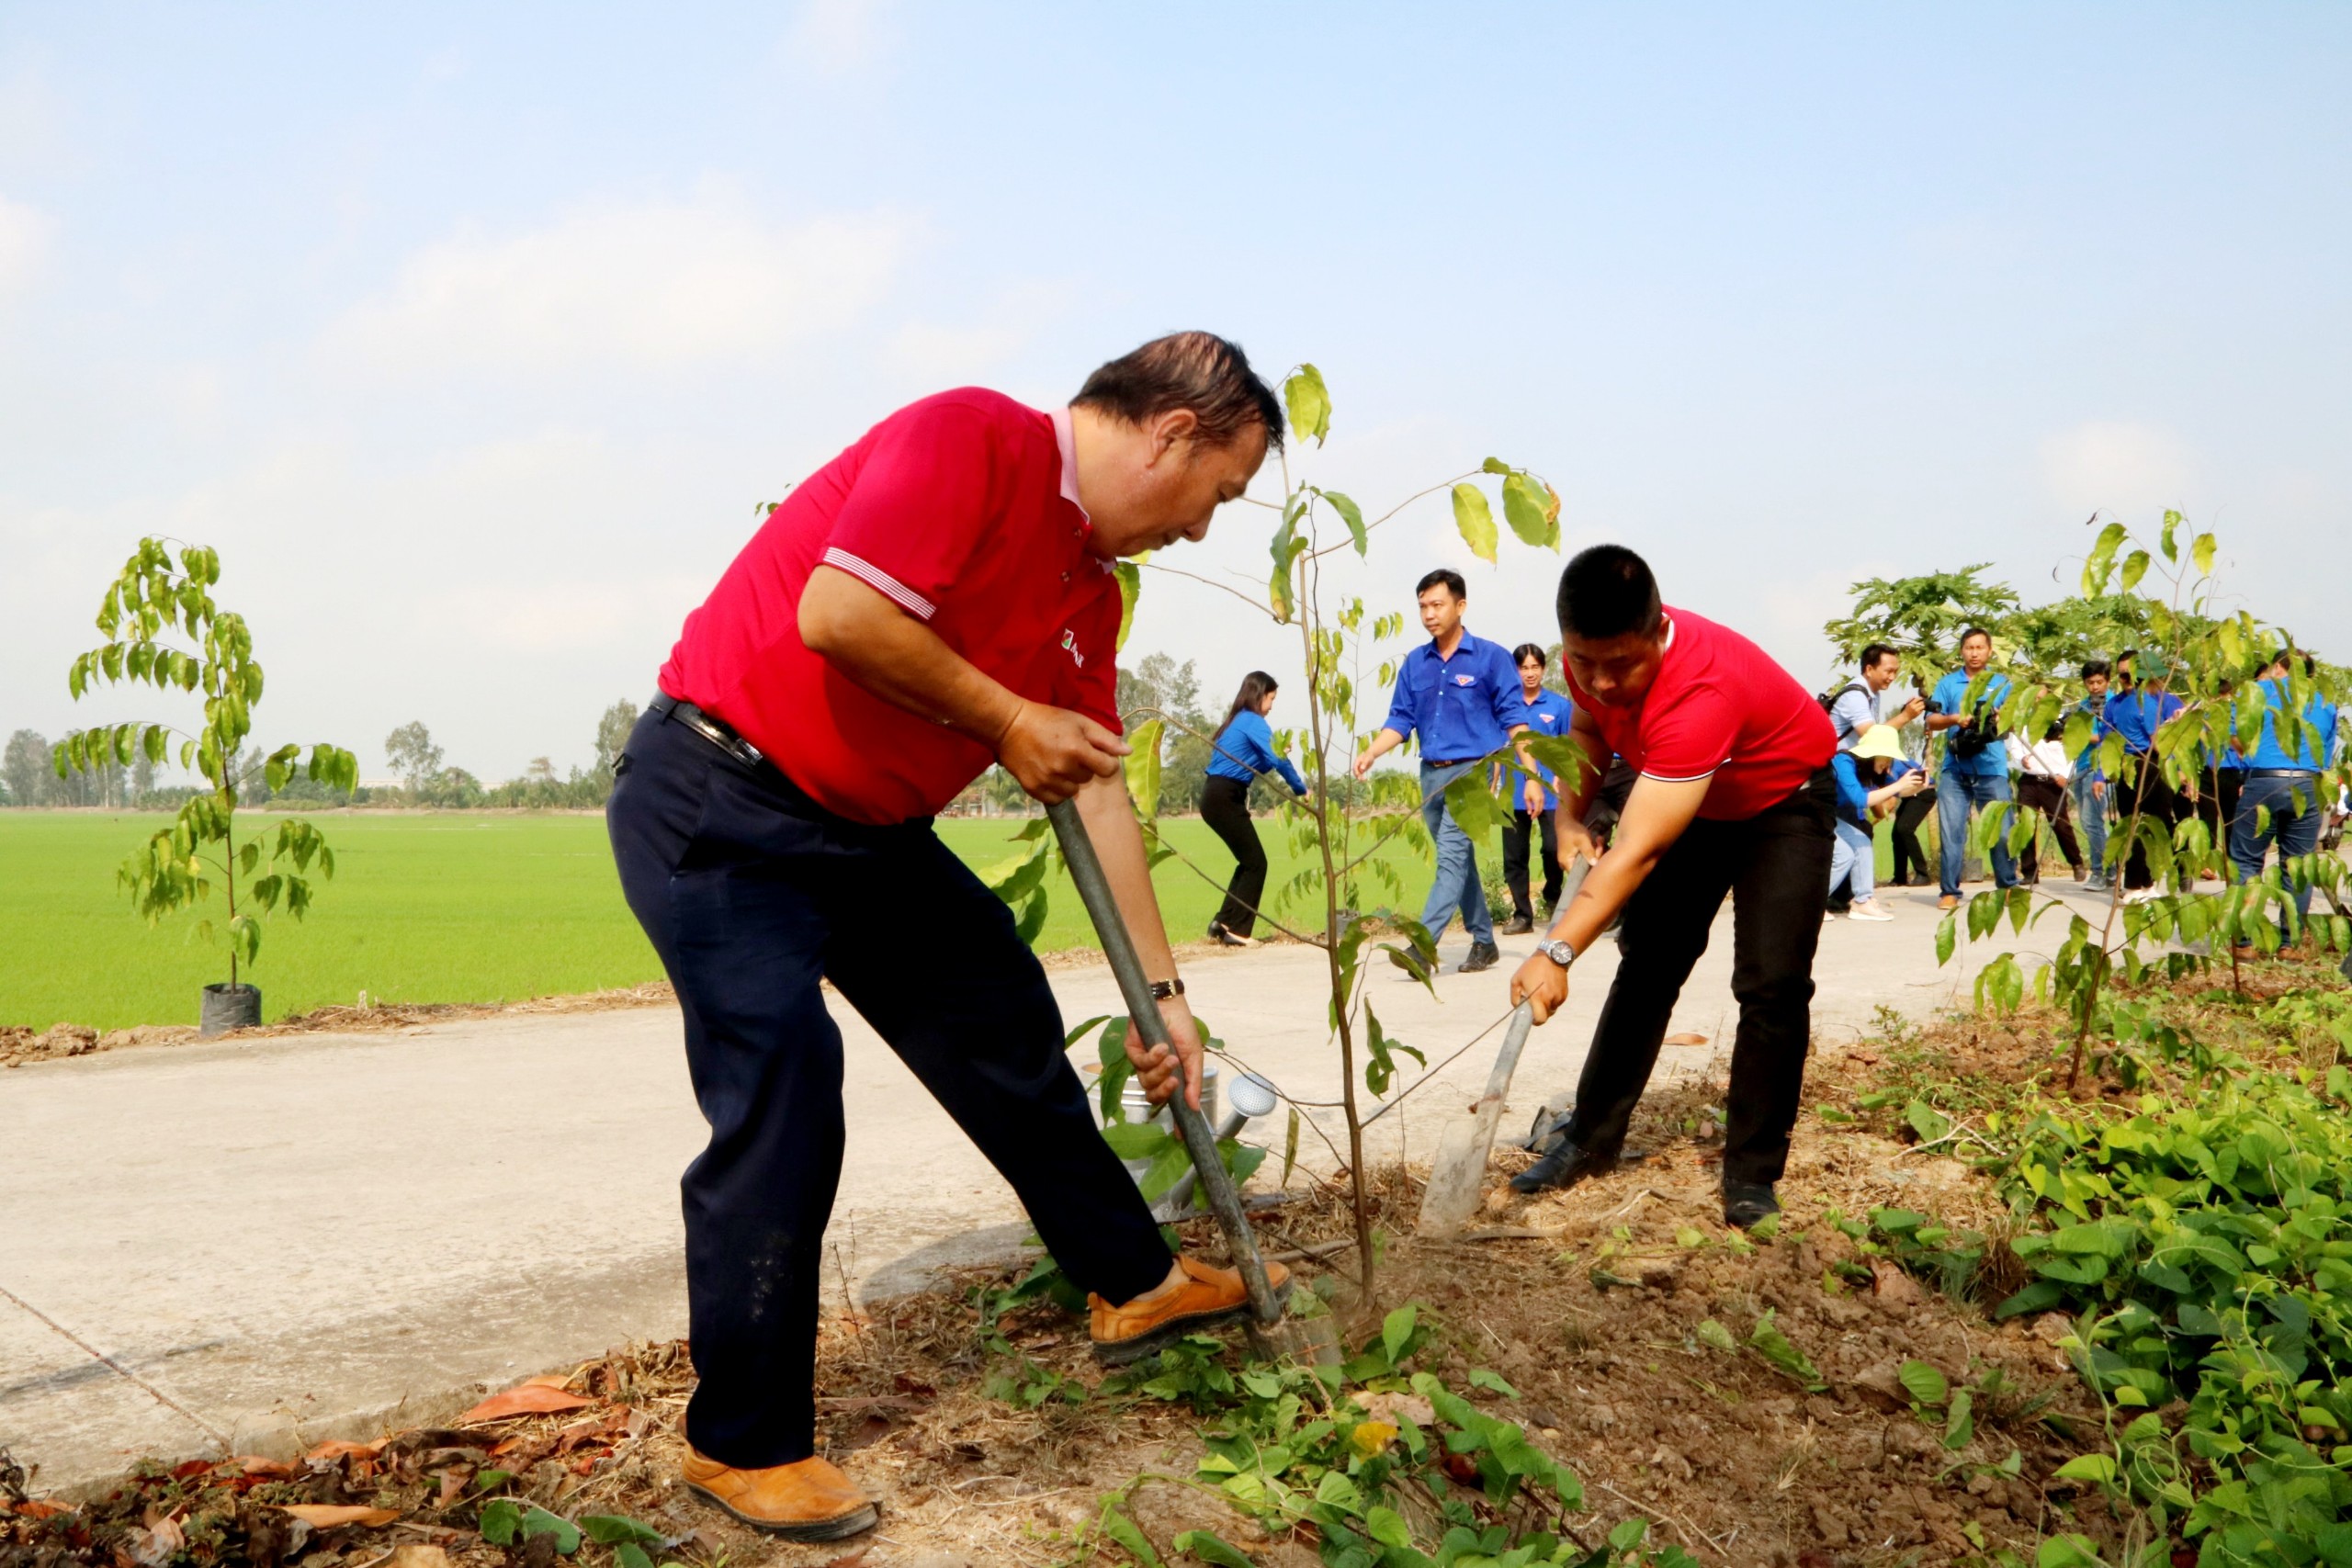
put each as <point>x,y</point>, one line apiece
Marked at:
<point>1560,953</point>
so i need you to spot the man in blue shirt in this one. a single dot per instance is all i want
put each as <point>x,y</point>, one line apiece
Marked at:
<point>2141,791</point>
<point>2282,795</point>
<point>1532,800</point>
<point>2090,787</point>
<point>1977,768</point>
<point>1461,696</point>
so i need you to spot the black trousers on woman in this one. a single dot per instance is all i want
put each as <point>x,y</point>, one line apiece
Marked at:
<point>1225,806</point>
<point>2144,789</point>
<point>1910,859</point>
<point>1774,866</point>
<point>1515,845</point>
<point>752,893</point>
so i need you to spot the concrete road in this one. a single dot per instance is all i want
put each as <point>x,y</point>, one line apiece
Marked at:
<point>251,1245</point>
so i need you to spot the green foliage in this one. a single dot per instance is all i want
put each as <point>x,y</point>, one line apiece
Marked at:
<point>2182,928</point>
<point>151,607</point>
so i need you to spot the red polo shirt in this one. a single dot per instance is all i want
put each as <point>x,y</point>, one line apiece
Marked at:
<point>963,509</point>
<point>1720,709</point>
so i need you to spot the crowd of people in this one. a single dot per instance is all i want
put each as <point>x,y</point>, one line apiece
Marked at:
<point>942,596</point>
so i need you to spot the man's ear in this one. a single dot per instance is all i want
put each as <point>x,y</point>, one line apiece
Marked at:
<point>1176,427</point>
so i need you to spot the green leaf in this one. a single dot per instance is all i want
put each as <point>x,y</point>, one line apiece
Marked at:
<point>1481,1378</point>
<point>1129,1537</point>
<point>538,1521</point>
<point>501,1517</point>
<point>1130,578</point>
<point>1924,1383</point>
<point>1476,521</point>
<point>1947,936</point>
<point>1142,765</point>
<point>1529,511</point>
<point>612,1529</point>
<point>1137,1140</point>
<point>1961,1429</point>
<point>1396,1328</point>
<point>1167,1167</point>
<point>1716,1336</point>
<point>1352,515</point>
<point>1209,1547</point>
<point>629,1554</point>
<point>1767,1340</point>
<point>1309,404</point>
<point>2098,1469</point>
<point>1386,1526</point>
<point>2135,566</point>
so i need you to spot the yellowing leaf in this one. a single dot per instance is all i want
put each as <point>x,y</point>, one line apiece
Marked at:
<point>327,1516</point>
<point>530,1399</point>
<point>1309,404</point>
<point>1371,1437</point>
<point>1476,521</point>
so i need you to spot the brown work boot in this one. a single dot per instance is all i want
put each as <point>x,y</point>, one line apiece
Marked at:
<point>809,1501</point>
<point>1202,1298</point>
<point>1949,901</point>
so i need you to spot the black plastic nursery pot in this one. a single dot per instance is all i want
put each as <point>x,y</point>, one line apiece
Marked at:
<point>227,1008</point>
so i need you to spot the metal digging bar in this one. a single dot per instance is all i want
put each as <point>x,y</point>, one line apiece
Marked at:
<point>1094,892</point>
<point>1457,1176</point>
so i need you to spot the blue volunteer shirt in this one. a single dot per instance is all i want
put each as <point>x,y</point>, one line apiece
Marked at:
<point>2318,743</point>
<point>1462,707</point>
<point>1950,696</point>
<point>2138,713</point>
<point>2096,708</point>
<point>1854,790</point>
<point>1548,714</point>
<point>1246,749</point>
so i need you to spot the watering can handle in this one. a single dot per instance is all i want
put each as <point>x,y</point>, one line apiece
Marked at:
<point>1094,892</point>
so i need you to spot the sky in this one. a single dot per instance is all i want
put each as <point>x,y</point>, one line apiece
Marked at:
<point>473,337</point>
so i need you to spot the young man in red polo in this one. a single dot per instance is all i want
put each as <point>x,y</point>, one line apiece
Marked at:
<point>1735,797</point>
<point>936,598</point>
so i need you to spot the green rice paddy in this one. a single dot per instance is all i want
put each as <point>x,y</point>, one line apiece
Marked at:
<point>425,906</point>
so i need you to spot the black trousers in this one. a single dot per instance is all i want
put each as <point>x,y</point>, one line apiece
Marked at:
<point>1775,866</point>
<point>1515,840</point>
<point>1225,806</point>
<point>2056,804</point>
<point>1910,859</point>
<point>750,892</point>
<point>2144,789</point>
<point>2217,800</point>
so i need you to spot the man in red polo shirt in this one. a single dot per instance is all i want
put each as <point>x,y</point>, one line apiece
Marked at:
<point>1735,797</point>
<point>937,597</point>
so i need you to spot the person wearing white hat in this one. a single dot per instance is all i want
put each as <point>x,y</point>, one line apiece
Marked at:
<point>1872,776</point>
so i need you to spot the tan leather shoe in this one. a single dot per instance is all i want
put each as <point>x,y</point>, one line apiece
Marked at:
<point>1202,1297</point>
<point>809,1501</point>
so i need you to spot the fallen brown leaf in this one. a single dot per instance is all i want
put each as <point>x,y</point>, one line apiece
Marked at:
<point>528,1399</point>
<point>337,1448</point>
<point>1686,1040</point>
<point>34,1509</point>
<point>327,1516</point>
<point>549,1380</point>
<point>420,1555</point>
<point>254,1464</point>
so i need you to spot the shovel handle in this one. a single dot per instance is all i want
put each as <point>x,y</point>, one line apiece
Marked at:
<point>1143,1009</point>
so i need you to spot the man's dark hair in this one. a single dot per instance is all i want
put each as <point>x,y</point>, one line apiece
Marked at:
<point>1976,631</point>
<point>1876,651</point>
<point>1446,575</point>
<point>2095,666</point>
<point>1527,650</point>
<point>1199,371</point>
<point>1607,591</point>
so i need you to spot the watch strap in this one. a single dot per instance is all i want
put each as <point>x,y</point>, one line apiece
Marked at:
<point>1163,989</point>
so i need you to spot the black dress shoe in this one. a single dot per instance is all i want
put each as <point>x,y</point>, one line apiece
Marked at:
<point>1747,1204</point>
<point>1564,1166</point>
<point>1223,938</point>
<point>1520,925</point>
<point>1483,955</point>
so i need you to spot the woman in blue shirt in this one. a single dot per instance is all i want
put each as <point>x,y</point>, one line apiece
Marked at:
<point>1534,801</point>
<point>1243,749</point>
<point>1874,777</point>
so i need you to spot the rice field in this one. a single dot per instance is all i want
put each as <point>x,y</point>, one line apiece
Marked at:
<point>427,907</point>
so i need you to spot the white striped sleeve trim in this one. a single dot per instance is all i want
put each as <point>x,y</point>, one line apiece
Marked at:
<point>1688,778</point>
<point>875,577</point>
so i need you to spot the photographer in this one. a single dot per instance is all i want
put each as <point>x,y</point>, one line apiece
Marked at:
<point>1874,776</point>
<point>1976,770</point>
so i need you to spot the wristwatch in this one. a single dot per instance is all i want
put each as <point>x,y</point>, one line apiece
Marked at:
<point>1559,952</point>
<point>1163,989</point>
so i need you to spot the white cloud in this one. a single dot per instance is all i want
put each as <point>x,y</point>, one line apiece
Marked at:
<point>527,614</point>
<point>656,286</point>
<point>838,36</point>
<point>25,234</point>
<point>2116,466</point>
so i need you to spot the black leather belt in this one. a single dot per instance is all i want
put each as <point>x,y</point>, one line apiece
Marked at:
<point>1453,762</point>
<point>715,730</point>
<point>2282,772</point>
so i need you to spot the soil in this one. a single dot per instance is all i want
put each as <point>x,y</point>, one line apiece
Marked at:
<point>1589,1302</point>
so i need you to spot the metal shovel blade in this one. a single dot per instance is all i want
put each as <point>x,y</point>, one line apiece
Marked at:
<point>1458,1174</point>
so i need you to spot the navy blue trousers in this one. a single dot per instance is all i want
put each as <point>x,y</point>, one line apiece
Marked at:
<point>750,892</point>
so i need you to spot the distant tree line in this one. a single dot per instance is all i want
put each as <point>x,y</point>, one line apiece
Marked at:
<point>28,777</point>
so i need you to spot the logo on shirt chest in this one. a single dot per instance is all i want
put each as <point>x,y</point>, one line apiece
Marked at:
<point>1466,680</point>
<point>1069,646</point>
